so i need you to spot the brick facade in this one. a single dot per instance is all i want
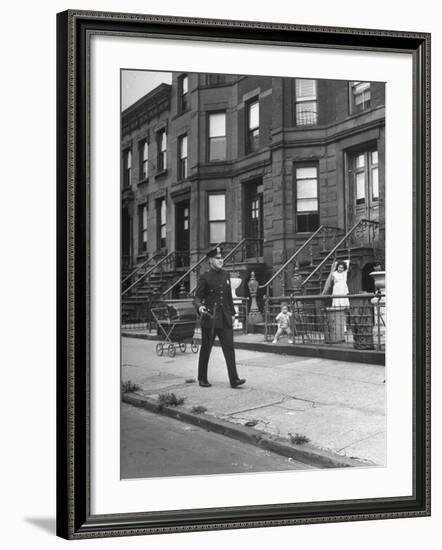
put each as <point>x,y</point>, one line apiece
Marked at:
<point>330,144</point>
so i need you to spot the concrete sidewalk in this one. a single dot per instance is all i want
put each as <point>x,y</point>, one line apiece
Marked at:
<point>338,406</point>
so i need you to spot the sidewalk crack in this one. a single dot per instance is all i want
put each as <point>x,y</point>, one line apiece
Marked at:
<point>360,440</point>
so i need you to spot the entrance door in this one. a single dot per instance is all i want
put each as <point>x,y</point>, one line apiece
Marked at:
<point>182,232</point>
<point>364,185</point>
<point>253,220</point>
<point>126,240</point>
<point>363,192</point>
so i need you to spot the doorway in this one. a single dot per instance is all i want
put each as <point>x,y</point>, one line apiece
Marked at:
<point>182,232</point>
<point>254,226</point>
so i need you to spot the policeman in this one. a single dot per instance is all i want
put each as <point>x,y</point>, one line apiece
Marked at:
<point>213,301</point>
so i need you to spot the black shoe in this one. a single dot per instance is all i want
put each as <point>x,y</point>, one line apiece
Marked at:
<point>238,382</point>
<point>205,384</point>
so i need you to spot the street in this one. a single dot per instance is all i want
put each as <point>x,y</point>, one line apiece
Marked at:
<point>157,446</point>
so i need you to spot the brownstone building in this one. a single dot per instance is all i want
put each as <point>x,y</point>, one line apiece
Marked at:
<point>262,161</point>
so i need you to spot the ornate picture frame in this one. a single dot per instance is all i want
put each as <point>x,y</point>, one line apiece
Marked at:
<point>75,217</point>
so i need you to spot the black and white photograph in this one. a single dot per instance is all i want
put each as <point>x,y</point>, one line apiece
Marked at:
<point>253,268</point>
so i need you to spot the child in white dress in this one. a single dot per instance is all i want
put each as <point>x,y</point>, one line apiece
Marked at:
<point>339,280</point>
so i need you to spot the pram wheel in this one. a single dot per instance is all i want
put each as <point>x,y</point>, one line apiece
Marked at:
<point>160,349</point>
<point>194,347</point>
<point>183,346</point>
<point>171,350</point>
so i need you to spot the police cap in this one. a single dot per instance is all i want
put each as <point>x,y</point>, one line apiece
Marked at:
<point>215,252</point>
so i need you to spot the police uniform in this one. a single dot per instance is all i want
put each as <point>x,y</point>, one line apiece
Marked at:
<point>214,292</point>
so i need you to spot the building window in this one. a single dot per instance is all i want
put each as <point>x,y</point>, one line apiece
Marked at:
<point>161,223</point>
<point>307,205</point>
<point>252,143</point>
<point>162,150</point>
<point>360,96</point>
<point>127,167</point>
<point>182,157</point>
<point>374,174</point>
<point>217,217</point>
<point>142,228</point>
<point>215,79</point>
<point>183,93</point>
<point>306,102</point>
<point>144,159</point>
<point>217,136</point>
<point>366,177</point>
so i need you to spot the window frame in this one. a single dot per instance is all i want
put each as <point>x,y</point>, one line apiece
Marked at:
<point>183,96</point>
<point>127,167</point>
<point>367,170</point>
<point>216,220</point>
<point>311,99</point>
<point>161,241</point>
<point>365,105</point>
<point>252,140</point>
<point>183,164</point>
<point>161,153</point>
<point>315,165</point>
<point>215,79</point>
<point>211,138</point>
<point>143,162</point>
<point>143,228</point>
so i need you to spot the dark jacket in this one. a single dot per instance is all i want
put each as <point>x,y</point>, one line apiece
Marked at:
<point>214,291</point>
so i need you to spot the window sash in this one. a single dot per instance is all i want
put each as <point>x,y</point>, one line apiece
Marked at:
<point>217,231</point>
<point>183,147</point>
<point>307,200</point>
<point>217,207</point>
<point>217,148</point>
<point>305,89</point>
<point>217,125</point>
<point>253,115</point>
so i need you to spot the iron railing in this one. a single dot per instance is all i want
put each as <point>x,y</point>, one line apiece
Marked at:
<point>136,273</point>
<point>169,262</point>
<point>233,248</point>
<point>316,322</point>
<point>364,227</point>
<point>316,241</point>
<point>246,250</point>
<point>146,321</point>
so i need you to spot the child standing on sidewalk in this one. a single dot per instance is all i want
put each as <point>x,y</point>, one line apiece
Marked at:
<point>283,319</point>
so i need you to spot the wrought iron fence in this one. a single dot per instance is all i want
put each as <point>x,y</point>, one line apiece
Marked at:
<point>141,317</point>
<point>316,321</point>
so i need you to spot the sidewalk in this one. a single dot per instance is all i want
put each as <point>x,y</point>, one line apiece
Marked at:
<point>256,342</point>
<point>338,406</point>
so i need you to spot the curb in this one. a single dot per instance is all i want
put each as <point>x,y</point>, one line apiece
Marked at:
<point>307,454</point>
<point>336,354</point>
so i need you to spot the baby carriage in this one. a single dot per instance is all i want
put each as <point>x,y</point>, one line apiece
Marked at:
<point>176,324</point>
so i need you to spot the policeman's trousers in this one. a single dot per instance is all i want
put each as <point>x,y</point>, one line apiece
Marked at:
<point>225,336</point>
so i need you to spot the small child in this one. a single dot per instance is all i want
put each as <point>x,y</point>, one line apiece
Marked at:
<point>283,320</point>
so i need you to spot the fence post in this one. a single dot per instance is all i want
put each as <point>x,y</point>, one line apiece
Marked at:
<point>266,314</point>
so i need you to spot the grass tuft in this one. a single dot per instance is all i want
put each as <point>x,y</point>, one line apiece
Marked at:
<point>299,439</point>
<point>198,409</point>
<point>170,399</point>
<point>129,387</point>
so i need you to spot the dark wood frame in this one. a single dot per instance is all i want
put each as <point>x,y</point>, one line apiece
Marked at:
<point>74,519</point>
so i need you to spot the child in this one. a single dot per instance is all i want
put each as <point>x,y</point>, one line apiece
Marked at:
<point>339,279</point>
<point>283,319</point>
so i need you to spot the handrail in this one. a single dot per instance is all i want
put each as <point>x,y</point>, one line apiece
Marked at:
<point>233,251</point>
<point>295,254</point>
<point>188,272</point>
<point>238,245</point>
<point>333,250</point>
<point>148,272</point>
<point>139,267</point>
